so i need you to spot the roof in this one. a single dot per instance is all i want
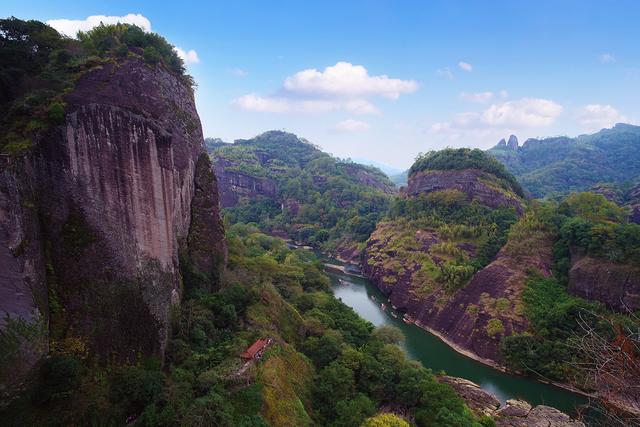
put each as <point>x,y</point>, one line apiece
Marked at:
<point>255,348</point>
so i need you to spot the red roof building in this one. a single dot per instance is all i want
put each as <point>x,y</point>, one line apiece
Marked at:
<point>256,349</point>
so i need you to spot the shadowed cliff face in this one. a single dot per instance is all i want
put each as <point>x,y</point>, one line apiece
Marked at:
<point>114,191</point>
<point>615,285</point>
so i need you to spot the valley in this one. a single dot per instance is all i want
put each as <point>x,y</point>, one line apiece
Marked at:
<point>152,277</point>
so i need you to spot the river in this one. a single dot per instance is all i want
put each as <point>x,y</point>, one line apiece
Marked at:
<point>365,298</point>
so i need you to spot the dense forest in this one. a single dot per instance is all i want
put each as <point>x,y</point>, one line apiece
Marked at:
<point>319,200</point>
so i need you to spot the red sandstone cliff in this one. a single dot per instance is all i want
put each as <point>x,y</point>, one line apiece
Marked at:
<point>93,219</point>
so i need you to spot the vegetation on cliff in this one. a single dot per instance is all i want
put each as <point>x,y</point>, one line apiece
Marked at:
<point>440,240</point>
<point>319,200</point>
<point>465,158</point>
<point>558,345</point>
<point>38,67</point>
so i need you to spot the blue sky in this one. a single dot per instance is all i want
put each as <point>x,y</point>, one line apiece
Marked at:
<point>386,80</point>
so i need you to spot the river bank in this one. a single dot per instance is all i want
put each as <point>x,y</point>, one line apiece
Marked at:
<point>435,352</point>
<point>353,270</point>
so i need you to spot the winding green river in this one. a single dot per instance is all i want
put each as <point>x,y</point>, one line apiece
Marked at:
<point>365,299</point>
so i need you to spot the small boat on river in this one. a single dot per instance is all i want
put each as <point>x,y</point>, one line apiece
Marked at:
<point>383,306</point>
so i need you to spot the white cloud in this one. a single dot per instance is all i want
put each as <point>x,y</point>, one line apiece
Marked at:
<point>605,58</point>
<point>478,97</point>
<point>279,104</point>
<point>528,112</point>
<point>520,114</point>
<point>465,66</point>
<point>346,79</point>
<point>351,125</point>
<point>596,116</point>
<point>445,72</point>
<point>504,94</point>
<point>189,57</point>
<point>341,87</point>
<point>238,72</point>
<point>70,27</point>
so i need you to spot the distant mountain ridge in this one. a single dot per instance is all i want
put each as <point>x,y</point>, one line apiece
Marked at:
<point>557,165</point>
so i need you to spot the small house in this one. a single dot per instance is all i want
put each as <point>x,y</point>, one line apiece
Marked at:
<point>256,350</point>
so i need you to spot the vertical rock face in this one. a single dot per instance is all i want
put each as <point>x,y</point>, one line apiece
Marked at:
<point>615,285</point>
<point>207,251</point>
<point>113,190</point>
<point>475,183</point>
<point>23,290</point>
<point>236,186</point>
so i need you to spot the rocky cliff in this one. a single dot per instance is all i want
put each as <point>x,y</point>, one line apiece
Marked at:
<point>514,413</point>
<point>474,318</point>
<point>235,185</point>
<point>93,219</point>
<point>477,185</point>
<point>446,262</point>
<point>615,285</point>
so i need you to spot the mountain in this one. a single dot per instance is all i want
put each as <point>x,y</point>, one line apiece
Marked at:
<point>289,186</point>
<point>507,281</point>
<point>432,253</point>
<point>558,165</point>
<point>126,300</point>
<point>106,192</point>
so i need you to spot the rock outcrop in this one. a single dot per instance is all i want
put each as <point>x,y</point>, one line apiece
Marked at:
<point>92,220</point>
<point>364,177</point>
<point>615,285</point>
<point>463,319</point>
<point>633,197</point>
<point>477,185</point>
<point>235,185</point>
<point>515,413</point>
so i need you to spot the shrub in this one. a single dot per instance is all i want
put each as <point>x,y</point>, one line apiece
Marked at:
<point>385,420</point>
<point>58,376</point>
<point>494,327</point>
<point>134,388</point>
<point>388,334</point>
<point>56,113</point>
<point>151,55</point>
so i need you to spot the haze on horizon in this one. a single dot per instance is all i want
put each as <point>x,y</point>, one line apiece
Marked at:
<point>383,80</point>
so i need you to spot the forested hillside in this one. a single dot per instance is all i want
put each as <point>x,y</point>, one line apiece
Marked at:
<point>555,166</point>
<point>286,185</point>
